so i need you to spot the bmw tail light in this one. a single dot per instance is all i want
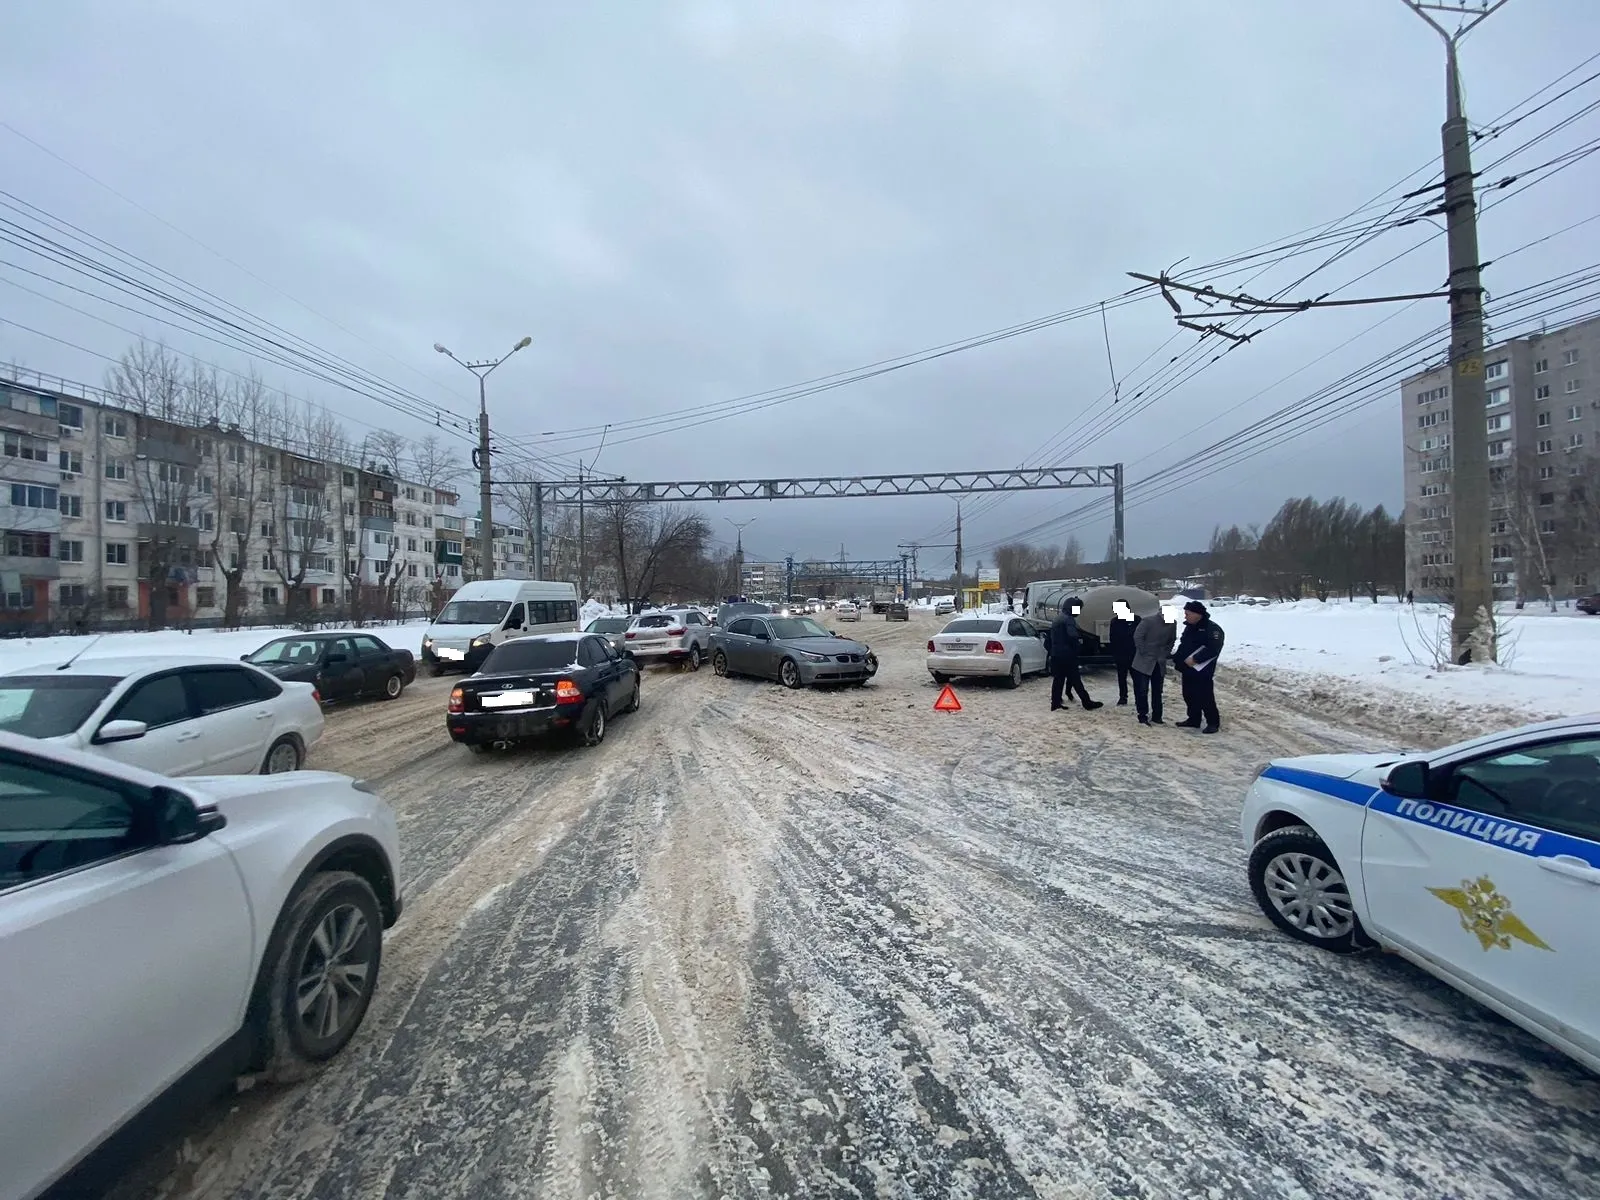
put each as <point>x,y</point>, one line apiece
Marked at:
<point>568,692</point>
<point>994,647</point>
<point>458,701</point>
<point>930,646</point>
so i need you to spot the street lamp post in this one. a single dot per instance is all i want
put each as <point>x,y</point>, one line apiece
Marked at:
<point>485,480</point>
<point>738,552</point>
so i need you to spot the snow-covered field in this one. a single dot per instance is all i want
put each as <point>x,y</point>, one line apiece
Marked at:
<point>20,653</point>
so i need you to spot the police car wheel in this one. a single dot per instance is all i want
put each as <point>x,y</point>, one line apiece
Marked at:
<point>1298,884</point>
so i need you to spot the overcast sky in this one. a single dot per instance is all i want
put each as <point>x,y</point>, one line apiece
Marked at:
<point>684,203</point>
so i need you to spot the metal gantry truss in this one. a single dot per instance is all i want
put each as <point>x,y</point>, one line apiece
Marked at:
<point>865,570</point>
<point>926,483</point>
<point>619,490</point>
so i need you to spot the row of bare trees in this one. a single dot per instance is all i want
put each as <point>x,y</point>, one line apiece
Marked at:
<point>1321,548</point>
<point>1545,523</point>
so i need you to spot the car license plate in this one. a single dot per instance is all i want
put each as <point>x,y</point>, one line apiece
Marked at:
<point>958,647</point>
<point>518,699</point>
<point>453,655</point>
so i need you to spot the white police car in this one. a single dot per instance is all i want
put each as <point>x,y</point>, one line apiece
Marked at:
<point>1479,862</point>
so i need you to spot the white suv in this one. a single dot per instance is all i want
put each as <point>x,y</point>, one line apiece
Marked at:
<point>676,636</point>
<point>154,930</point>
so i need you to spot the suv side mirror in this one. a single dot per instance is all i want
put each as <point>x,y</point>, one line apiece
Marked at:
<point>179,820</point>
<point>120,731</point>
<point>1408,780</point>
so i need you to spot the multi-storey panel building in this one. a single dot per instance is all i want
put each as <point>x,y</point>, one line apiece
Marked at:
<point>1542,417</point>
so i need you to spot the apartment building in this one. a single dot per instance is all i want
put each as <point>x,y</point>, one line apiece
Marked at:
<point>1542,416</point>
<point>111,514</point>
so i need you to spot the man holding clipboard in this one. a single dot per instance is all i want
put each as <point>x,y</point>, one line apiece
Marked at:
<point>1196,660</point>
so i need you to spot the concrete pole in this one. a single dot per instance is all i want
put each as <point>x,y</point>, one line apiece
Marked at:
<point>1469,450</point>
<point>485,487</point>
<point>538,530</point>
<point>958,556</point>
<point>583,545</point>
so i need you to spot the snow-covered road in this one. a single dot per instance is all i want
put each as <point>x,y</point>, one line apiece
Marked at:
<point>835,944</point>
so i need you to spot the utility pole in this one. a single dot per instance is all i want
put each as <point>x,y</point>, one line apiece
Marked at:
<point>958,556</point>
<point>1120,556</point>
<point>538,531</point>
<point>1469,476</point>
<point>485,480</point>
<point>583,546</point>
<point>738,552</point>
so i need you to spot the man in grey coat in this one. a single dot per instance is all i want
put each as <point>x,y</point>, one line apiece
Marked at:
<point>1153,639</point>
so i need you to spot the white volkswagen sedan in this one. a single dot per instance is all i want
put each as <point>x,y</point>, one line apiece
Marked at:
<point>847,610</point>
<point>155,930</point>
<point>1479,862</point>
<point>1008,647</point>
<point>174,716</point>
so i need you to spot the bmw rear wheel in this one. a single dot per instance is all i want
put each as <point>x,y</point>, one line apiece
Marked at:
<point>1299,886</point>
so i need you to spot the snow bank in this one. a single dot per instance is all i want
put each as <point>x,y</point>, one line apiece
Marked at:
<point>208,643</point>
<point>1549,658</point>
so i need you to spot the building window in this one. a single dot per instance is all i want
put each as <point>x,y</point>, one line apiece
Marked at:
<point>1542,420</point>
<point>1498,423</point>
<point>117,598</point>
<point>1575,412</point>
<point>1495,397</point>
<point>1502,577</point>
<point>31,449</point>
<point>411,544</point>
<point>71,595</point>
<point>329,596</point>
<point>233,560</point>
<point>116,510</point>
<point>205,597</point>
<point>20,599</point>
<point>32,495</point>
<point>1541,365</point>
<point>117,554</point>
<point>1499,448</point>
<point>1547,472</point>
<point>1574,440</point>
<point>267,529</point>
<point>116,469</point>
<point>1581,579</point>
<point>208,521</point>
<point>351,566</point>
<point>1547,498</point>
<point>27,545</point>
<point>411,570</point>
<point>266,562</point>
<point>71,462</point>
<point>349,479</point>
<point>1500,553</point>
<point>411,493</point>
<point>69,416</point>
<point>71,506</point>
<point>1496,370</point>
<point>269,597</point>
<point>69,551</point>
<point>1546,446</point>
<point>1547,525</point>
<point>1569,357</point>
<point>1572,386</point>
<point>116,427</point>
<point>1542,392</point>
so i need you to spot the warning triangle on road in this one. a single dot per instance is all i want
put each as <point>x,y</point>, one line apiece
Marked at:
<point>947,701</point>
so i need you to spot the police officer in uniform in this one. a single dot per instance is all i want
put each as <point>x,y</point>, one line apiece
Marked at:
<point>1065,644</point>
<point>1196,660</point>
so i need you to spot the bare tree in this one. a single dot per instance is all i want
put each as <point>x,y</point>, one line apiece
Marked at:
<point>302,538</point>
<point>164,488</point>
<point>1524,507</point>
<point>150,379</point>
<point>250,418</point>
<point>654,548</point>
<point>385,450</point>
<point>436,464</point>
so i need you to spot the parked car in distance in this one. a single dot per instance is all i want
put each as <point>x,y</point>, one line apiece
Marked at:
<point>729,612</point>
<point>897,611</point>
<point>341,666</point>
<point>796,651</point>
<point>847,610</point>
<point>610,627</point>
<point>487,612</point>
<point>571,683</point>
<point>156,930</point>
<point>997,647</point>
<point>174,716</point>
<point>1479,862</point>
<point>1590,605</point>
<point>944,607</point>
<point>675,637</point>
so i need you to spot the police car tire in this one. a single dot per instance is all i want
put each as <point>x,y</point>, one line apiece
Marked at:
<point>1300,839</point>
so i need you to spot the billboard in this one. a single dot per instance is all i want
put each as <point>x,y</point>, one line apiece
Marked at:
<point>988,575</point>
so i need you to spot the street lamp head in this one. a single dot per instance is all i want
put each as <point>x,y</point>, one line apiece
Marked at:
<point>440,348</point>
<point>522,345</point>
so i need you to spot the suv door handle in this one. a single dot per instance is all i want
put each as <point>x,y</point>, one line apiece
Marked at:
<point>1572,867</point>
<point>187,737</point>
<point>264,715</point>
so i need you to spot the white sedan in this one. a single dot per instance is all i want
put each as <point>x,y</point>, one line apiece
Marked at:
<point>1010,647</point>
<point>847,610</point>
<point>175,716</point>
<point>1479,862</point>
<point>155,930</point>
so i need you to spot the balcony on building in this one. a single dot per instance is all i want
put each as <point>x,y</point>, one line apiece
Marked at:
<point>186,536</point>
<point>19,518</point>
<point>29,566</point>
<point>165,441</point>
<point>377,514</point>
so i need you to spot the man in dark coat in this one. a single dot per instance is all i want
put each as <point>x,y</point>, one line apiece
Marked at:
<point>1153,639</point>
<point>1122,624</point>
<point>1196,659</point>
<point>1065,643</point>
